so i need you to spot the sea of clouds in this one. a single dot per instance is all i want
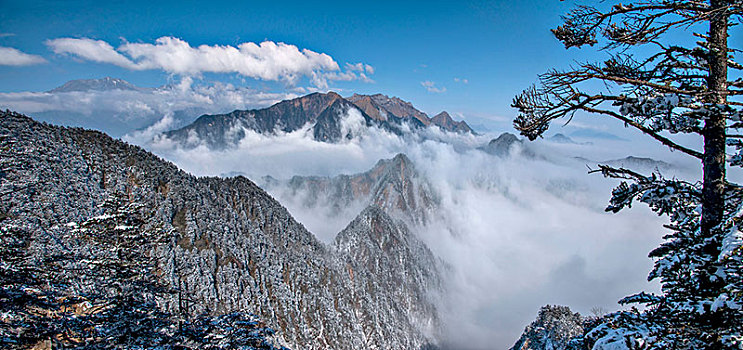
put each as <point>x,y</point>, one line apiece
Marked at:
<point>519,231</point>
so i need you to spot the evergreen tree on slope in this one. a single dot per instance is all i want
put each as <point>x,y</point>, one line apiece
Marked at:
<point>659,84</point>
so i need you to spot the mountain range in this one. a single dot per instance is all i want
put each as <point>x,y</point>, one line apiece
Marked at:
<point>328,116</point>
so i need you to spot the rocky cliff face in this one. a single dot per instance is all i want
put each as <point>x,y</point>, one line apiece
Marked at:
<point>337,122</point>
<point>224,244</point>
<point>383,107</point>
<point>224,130</point>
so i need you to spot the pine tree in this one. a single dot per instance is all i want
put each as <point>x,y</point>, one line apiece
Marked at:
<point>658,84</point>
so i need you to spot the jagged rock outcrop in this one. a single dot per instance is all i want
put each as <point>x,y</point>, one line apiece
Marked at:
<point>335,123</point>
<point>226,244</point>
<point>225,130</point>
<point>552,330</point>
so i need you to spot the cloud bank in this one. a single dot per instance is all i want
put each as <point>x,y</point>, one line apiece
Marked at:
<point>267,60</point>
<point>13,57</point>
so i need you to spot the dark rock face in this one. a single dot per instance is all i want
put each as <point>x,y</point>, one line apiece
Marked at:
<point>226,245</point>
<point>383,107</point>
<point>552,330</point>
<point>328,127</point>
<point>219,131</point>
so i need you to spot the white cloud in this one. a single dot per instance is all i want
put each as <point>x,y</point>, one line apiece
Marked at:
<point>89,49</point>
<point>360,67</point>
<point>431,87</point>
<point>461,80</point>
<point>13,57</point>
<point>267,60</point>
<point>363,70</point>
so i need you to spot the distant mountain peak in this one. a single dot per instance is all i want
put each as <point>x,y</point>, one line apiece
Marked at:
<point>401,158</point>
<point>505,137</point>
<point>501,145</point>
<point>445,121</point>
<point>102,84</point>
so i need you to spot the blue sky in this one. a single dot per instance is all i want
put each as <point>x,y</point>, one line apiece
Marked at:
<point>481,52</point>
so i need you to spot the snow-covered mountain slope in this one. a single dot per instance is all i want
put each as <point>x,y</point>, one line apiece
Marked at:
<point>226,244</point>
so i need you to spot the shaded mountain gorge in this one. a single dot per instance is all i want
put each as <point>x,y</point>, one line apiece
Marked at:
<point>222,245</point>
<point>323,114</point>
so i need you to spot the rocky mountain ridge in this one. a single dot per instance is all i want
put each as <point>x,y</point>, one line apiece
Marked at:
<point>384,107</point>
<point>394,185</point>
<point>323,113</point>
<point>445,122</point>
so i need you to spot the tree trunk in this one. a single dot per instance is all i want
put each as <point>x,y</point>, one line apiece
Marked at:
<point>713,187</point>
